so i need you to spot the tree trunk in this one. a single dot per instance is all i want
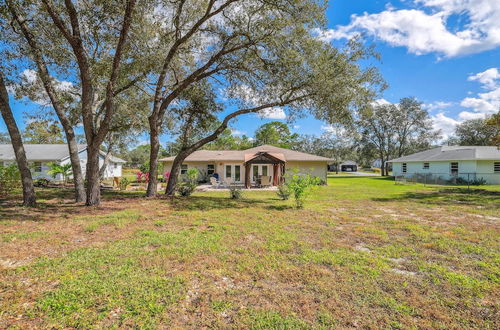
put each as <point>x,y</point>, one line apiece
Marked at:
<point>76,167</point>
<point>29,198</point>
<point>153,158</point>
<point>58,107</point>
<point>93,179</point>
<point>174,172</point>
<point>382,166</point>
<point>105,164</point>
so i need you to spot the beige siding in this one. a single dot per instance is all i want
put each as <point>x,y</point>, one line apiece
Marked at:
<point>317,169</point>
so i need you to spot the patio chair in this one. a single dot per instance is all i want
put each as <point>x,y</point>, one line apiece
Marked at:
<point>228,182</point>
<point>214,182</point>
<point>265,181</point>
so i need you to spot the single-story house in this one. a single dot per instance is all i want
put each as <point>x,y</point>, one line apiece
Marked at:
<point>40,155</point>
<point>247,166</point>
<point>449,162</point>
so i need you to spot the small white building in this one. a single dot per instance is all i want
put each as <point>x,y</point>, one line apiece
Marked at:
<point>449,162</point>
<point>40,155</point>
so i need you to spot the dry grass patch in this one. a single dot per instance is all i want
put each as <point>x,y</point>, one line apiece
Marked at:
<point>363,253</point>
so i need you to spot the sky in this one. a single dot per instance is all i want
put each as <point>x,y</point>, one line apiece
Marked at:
<point>446,53</point>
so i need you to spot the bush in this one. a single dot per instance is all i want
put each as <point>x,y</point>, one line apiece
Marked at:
<point>124,183</point>
<point>10,179</point>
<point>41,182</point>
<point>235,192</point>
<point>189,184</point>
<point>283,192</point>
<point>461,181</point>
<point>300,186</point>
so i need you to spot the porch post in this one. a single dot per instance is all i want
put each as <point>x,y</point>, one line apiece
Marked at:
<point>275,174</point>
<point>247,175</point>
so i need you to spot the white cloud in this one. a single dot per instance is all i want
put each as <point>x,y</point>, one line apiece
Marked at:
<point>380,102</point>
<point>237,132</point>
<point>296,126</point>
<point>438,105</point>
<point>30,77</point>
<point>488,78</point>
<point>445,124</point>
<point>272,113</point>
<point>485,103</point>
<point>425,29</point>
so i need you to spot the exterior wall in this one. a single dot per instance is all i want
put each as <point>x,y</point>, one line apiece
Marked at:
<point>318,169</point>
<point>467,169</point>
<point>202,168</point>
<point>110,172</point>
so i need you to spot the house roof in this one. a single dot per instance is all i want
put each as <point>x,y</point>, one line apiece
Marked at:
<point>244,155</point>
<point>349,162</point>
<point>447,153</point>
<point>44,152</point>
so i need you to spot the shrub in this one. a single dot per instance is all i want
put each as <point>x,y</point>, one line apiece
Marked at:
<point>235,192</point>
<point>10,179</point>
<point>300,186</point>
<point>461,181</point>
<point>42,182</point>
<point>124,183</point>
<point>190,181</point>
<point>283,192</point>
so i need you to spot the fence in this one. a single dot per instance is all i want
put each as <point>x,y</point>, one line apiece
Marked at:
<point>468,179</point>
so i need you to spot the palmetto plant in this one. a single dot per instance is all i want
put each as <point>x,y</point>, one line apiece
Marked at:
<point>64,170</point>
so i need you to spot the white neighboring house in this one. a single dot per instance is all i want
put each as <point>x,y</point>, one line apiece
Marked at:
<point>40,155</point>
<point>448,162</point>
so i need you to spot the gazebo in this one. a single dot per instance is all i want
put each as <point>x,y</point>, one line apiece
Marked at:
<point>265,158</point>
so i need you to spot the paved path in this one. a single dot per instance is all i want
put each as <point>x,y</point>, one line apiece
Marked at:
<point>346,174</point>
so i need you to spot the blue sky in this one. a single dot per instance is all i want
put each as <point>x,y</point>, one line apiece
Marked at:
<point>446,53</point>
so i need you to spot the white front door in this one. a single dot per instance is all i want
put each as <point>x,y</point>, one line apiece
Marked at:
<point>259,170</point>
<point>233,172</point>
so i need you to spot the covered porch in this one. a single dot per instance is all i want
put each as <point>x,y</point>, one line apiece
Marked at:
<point>264,169</point>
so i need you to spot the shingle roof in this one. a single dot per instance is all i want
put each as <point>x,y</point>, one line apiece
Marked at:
<point>447,153</point>
<point>239,155</point>
<point>44,152</point>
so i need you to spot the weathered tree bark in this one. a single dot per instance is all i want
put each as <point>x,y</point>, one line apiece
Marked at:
<point>29,198</point>
<point>382,165</point>
<point>37,55</point>
<point>153,157</point>
<point>93,178</point>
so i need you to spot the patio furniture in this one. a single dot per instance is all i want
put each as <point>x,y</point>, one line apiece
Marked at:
<point>265,181</point>
<point>228,182</point>
<point>214,182</point>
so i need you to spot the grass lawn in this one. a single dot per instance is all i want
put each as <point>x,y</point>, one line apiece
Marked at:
<point>364,252</point>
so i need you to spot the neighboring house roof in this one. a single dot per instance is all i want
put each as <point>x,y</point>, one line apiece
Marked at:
<point>43,152</point>
<point>349,162</point>
<point>244,155</point>
<point>447,153</point>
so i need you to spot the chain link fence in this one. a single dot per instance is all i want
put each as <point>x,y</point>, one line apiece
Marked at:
<point>468,179</point>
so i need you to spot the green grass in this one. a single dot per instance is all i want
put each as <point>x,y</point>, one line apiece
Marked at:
<point>364,252</point>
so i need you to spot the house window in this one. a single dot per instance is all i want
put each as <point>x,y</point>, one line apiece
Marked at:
<point>184,169</point>
<point>37,167</point>
<point>496,167</point>
<point>228,171</point>
<point>210,169</point>
<point>403,167</point>
<point>426,166</point>
<point>454,168</point>
<point>115,166</point>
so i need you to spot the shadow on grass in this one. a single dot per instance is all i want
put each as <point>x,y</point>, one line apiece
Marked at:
<point>279,207</point>
<point>59,202</point>
<point>449,196</point>
<point>205,203</point>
